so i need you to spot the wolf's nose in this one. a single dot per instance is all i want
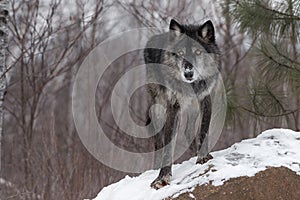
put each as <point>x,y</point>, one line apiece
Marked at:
<point>189,75</point>
<point>188,66</point>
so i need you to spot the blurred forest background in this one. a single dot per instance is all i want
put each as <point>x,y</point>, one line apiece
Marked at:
<point>42,156</point>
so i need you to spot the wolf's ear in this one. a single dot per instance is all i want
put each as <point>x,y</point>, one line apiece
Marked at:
<point>176,27</point>
<point>207,32</point>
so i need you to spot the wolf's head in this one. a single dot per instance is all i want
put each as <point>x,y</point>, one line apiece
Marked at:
<point>192,51</point>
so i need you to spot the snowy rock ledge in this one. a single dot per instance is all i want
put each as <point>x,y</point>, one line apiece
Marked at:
<point>272,148</point>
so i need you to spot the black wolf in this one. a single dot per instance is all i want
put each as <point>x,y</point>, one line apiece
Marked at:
<point>193,60</point>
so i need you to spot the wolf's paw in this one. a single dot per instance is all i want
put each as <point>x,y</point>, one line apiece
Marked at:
<point>161,182</point>
<point>202,160</point>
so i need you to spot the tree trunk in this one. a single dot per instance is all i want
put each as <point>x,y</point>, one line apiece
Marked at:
<point>3,47</point>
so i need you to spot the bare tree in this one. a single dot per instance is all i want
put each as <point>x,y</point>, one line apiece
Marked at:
<point>45,49</point>
<point>3,53</point>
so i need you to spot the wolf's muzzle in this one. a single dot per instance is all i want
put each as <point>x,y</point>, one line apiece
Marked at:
<point>188,71</point>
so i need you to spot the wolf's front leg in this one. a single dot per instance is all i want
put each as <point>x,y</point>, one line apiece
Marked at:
<point>203,154</point>
<point>190,132</point>
<point>169,131</point>
<point>165,172</point>
<point>163,178</point>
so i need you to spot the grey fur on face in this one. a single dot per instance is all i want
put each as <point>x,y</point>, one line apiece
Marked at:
<point>192,61</point>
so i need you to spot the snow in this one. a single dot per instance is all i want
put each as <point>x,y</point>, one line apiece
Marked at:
<point>272,148</point>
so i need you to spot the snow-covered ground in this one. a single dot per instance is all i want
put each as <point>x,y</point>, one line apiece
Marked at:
<point>272,148</point>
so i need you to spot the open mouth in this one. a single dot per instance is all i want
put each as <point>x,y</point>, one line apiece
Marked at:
<point>188,80</point>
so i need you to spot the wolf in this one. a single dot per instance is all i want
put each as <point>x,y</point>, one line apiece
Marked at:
<point>192,58</point>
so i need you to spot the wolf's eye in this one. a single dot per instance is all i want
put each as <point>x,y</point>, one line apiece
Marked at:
<point>197,52</point>
<point>180,53</point>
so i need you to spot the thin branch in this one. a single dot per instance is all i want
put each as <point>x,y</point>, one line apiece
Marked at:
<point>271,116</point>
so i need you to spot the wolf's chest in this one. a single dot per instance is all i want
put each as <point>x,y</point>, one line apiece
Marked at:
<point>185,102</point>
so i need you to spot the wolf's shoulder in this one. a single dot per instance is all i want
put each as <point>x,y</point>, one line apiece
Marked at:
<point>154,48</point>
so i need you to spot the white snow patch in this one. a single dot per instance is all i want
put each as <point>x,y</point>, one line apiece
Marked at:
<point>272,148</point>
<point>192,196</point>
